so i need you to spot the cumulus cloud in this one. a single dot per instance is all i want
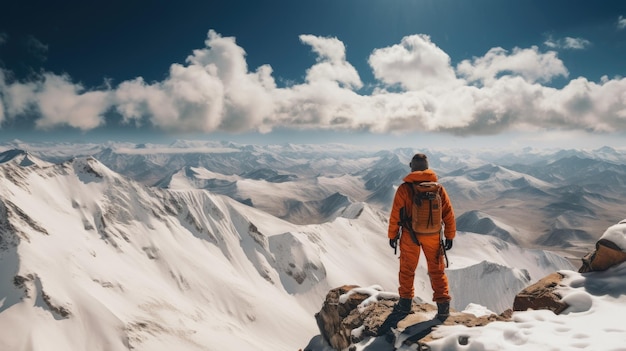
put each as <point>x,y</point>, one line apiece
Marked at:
<point>416,63</point>
<point>530,64</point>
<point>568,43</point>
<point>214,91</point>
<point>417,89</point>
<point>331,62</point>
<point>62,102</point>
<point>56,101</point>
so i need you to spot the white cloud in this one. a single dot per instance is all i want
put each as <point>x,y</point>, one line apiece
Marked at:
<point>331,62</point>
<point>419,91</point>
<point>56,100</point>
<point>530,64</point>
<point>213,92</point>
<point>63,103</point>
<point>576,43</point>
<point>3,37</point>
<point>416,63</point>
<point>568,43</point>
<point>16,97</point>
<point>621,22</point>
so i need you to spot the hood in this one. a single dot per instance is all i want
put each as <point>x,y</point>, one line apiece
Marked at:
<point>421,176</point>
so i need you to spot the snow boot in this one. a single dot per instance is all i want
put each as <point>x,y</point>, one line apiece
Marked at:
<point>443,310</point>
<point>400,310</point>
<point>403,306</point>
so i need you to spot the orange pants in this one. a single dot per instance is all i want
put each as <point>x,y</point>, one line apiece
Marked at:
<point>409,256</point>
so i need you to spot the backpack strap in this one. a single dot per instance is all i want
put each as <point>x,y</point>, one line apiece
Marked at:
<point>405,219</point>
<point>405,222</point>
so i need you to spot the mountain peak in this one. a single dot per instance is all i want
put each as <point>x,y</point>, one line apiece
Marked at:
<point>89,165</point>
<point>21,158</point>
<point>9,155</point>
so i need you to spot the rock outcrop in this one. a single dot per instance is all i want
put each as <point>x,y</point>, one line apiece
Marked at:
<point>330,319</point>
<point>542,295</point>
<point>351,314</point>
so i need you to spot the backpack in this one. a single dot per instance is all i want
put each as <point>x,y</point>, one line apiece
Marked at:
<point>426,207</point>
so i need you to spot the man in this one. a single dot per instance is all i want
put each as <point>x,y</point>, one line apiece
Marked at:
<point>431,244</point>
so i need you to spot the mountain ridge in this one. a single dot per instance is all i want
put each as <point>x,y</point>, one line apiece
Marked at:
<point>520,192</point>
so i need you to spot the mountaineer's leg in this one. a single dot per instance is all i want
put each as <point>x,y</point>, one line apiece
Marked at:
<point>438,279</point>
<point>409,256</point>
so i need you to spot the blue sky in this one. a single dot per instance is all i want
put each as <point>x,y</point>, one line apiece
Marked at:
<point>383,73</point>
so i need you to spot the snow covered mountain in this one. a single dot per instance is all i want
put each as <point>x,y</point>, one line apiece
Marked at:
<point>134,267</point>
<point>94,260</point>
<point>544,194</point>
<point>22,158</point>
<point>478,222</point>
<point>572,205</point>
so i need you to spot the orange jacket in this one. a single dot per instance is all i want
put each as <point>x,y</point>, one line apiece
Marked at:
<point>403,199</point>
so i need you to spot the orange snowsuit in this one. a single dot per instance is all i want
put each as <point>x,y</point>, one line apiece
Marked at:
<point>430,243</point>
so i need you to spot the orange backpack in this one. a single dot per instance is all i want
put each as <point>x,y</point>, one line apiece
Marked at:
<point>425,207</point>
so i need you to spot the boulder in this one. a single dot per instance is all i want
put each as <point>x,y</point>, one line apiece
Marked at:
<point>610,250</point>
<point>541,296</point>
<point>606,255</point>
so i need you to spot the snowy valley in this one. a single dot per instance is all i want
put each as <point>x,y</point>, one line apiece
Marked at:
<point>220,246</point>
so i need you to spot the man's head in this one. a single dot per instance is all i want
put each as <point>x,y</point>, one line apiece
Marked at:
<point>419,162</point>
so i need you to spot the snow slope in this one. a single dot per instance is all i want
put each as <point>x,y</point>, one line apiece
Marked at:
<point>592,322</point>
<point>101,263</point>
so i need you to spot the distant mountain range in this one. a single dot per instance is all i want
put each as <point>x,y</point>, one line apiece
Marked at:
<point>556,199</point>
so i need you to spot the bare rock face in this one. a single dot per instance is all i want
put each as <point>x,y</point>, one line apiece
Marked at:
<point>541,296</point>
<point>606,255</point>
<point>330,317</point>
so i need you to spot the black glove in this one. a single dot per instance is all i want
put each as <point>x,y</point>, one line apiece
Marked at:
<point>447,245</point>
<point>393,243</point>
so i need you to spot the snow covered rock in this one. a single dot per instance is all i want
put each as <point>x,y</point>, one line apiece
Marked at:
<point>610,250</point>
<point>616,234</point>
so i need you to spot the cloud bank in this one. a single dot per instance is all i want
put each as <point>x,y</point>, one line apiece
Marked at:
<point>417,89</point>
